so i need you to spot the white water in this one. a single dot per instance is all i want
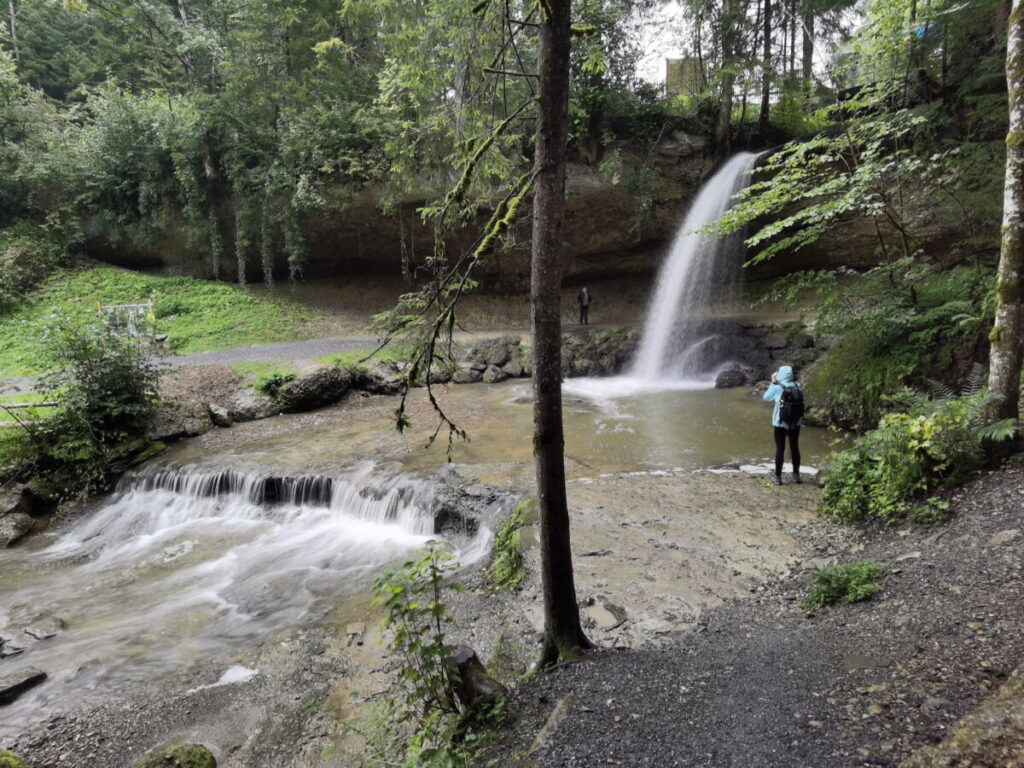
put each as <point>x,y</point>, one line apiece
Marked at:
<point>188,565</point>
<point>676,349</point>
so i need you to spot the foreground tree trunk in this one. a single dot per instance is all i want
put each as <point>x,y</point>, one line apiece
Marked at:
<point>1007,334</point>
<point>563,635</point>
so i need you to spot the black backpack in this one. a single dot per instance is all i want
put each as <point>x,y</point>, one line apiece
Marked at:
<point>791,405</point>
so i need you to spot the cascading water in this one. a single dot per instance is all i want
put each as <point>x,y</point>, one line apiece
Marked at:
<point>680,342</point>
<point>188,564</point>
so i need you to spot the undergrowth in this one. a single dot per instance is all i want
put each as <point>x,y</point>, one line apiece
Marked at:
<point>845,583</point>
<point>931,443</point>
<point>196,315</point>
<point>420,720</point>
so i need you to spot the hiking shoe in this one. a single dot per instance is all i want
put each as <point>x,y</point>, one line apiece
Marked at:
<point>776,480</point>
<point>796,478</point>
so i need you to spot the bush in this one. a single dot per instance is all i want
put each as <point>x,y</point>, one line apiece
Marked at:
<point>846,583</point>
<point>420,721</point>
<point>909,454</point>
<point>107,389</point>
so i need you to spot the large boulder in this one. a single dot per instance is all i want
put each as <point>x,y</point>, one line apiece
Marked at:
<point>15,498</point>
<point>13,526</point>
<point>492,352</point>
<point>181,756</point>
<point>173,421</point>
<point>248,405</point>
<point>322,387</point>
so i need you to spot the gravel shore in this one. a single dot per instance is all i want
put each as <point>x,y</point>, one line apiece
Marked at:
<point>762,683</point>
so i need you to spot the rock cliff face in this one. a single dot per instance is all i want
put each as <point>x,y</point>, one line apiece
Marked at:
<point>616,222</point>
<point>621,214</point>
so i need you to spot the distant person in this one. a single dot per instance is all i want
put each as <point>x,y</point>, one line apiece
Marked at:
<point>786,419</point>
<point>584,301</point>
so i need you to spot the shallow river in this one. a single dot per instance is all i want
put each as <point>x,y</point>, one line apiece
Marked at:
<point>174,577</point>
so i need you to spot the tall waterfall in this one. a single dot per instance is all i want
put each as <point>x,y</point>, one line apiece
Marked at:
<point>679,339</point>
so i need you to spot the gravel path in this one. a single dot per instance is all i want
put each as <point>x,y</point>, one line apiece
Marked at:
<point>763,684</point>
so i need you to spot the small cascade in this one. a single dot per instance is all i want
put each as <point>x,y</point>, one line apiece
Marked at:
<point>681,340</point>
<point>185,563</point>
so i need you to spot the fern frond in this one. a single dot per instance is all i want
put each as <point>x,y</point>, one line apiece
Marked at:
<point>999,431</point>
<point>976,380</point>
<point>941,390</point>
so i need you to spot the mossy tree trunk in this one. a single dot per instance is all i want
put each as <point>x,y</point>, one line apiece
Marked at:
<point>563,635</point>
<point>1007,334</point>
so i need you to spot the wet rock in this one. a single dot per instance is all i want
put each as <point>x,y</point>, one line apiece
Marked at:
<point>14,684</point>
<point>468,376</point>
<point>513,370</point>
<point>774,341</point>
<point>15,498</point>
<point>13,526</point>
<point>375,378</point>
<point>250,406</point>
<point>11,646</point>
<point>181,756</point>
<point>10,760</point>
<point>734,377</point>
<point>493,352</point>
<point>173,421</point>
<point>322,387</point>
<point>493,374</point>
<point>220,415</point>
<point>45,626</point>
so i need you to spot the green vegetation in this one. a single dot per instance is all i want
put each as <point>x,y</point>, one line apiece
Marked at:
<point>936,443</point>
<point>10,760</point>
<point>180,756</point>
<point>420,721</point>
<point>846,583</point>
<point>106,387</point>
<point>27,256</point>
<point>195,314</point>
<point>507,565</point>
<point>393,353</point>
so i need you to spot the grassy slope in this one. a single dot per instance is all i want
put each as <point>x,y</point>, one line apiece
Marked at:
<point>196,315</point>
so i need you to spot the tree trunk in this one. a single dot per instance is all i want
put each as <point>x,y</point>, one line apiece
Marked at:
<point>1007,333</point>
<point>766,67</point>
<point>12,15</point>
<point>722,129</point>
<point>808,51</point>
<point>563,635</point>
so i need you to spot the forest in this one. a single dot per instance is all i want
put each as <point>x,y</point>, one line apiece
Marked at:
<point>306,221</point>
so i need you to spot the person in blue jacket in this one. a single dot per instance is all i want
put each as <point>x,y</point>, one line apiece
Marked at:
<point>781,379</point>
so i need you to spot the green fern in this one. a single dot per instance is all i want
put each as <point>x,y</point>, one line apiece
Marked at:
<point>999,431</point>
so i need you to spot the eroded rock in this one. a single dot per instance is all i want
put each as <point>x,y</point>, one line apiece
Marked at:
<point>322,387</point>
<point>13,526</point>
<point>17,683</point>
<point>173,421</point>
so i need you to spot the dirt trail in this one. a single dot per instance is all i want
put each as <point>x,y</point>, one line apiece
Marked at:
<point>760,683</point>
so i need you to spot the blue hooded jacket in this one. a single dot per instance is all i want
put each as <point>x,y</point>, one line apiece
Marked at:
<point>784,376</point>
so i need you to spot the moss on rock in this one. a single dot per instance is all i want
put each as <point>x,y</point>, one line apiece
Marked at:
<point>10,760</point>
<point>181,756</point>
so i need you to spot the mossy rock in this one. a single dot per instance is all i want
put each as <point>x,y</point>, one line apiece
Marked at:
<point>10,760</point>
<point>182,756</point>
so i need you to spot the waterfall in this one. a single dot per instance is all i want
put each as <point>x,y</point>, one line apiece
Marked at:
<point>680,340</point>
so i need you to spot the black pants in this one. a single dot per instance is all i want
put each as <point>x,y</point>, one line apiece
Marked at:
<point>780,448</point>
<point>584,314</point>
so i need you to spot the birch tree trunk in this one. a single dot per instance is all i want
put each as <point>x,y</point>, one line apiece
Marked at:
<point>563,635</point>
<point>1007,334</point>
